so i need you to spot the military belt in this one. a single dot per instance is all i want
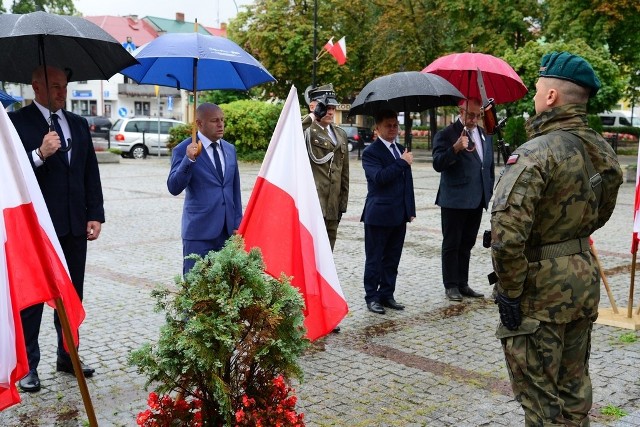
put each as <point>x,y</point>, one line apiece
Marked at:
<point>555,250</point>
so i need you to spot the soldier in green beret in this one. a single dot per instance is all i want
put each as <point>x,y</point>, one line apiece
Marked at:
<point>555,191</point>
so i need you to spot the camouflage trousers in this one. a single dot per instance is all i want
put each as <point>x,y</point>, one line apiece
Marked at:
<point>548,366</point>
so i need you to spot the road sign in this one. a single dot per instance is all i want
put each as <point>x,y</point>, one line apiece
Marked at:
<point>169,103</point>
<point>122,112</point>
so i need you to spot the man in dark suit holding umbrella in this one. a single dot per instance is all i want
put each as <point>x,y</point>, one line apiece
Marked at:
<point>463,154</point>
<point>66,168</point>
<point>390,204</point>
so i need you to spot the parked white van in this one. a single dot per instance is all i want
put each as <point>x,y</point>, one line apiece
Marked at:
<point>614,118</point>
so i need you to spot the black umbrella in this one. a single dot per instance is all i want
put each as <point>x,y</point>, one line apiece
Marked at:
<point>409,91</point>
<point>81,48</point>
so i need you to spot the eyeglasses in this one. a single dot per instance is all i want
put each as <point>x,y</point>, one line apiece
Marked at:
<point>472,116</point>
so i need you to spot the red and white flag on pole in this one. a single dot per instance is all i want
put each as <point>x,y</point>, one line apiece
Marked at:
<point>328,45</point>
<point>339,51</point>
<point>32,266</point>
<point>636,211</point>
<point>284,219</point>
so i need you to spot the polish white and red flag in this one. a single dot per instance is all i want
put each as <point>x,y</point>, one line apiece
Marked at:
<point>284,219</point>
<point>328,45</point>
<point>337,50</point>
<point>636,211</point>
<point>32,266</point>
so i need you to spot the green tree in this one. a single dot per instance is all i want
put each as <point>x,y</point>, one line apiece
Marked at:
<point>526,62</point>
<point>61,7</point>
<point>279,34</point>
<point>608,24</point>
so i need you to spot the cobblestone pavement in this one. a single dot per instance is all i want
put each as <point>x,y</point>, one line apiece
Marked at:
<point>436,363</point>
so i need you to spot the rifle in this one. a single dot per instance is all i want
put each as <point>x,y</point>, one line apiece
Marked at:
<point>491,123</point>
<point>492,126</point>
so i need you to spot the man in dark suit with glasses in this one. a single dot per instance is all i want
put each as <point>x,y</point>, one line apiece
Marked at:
<point>463,154</point>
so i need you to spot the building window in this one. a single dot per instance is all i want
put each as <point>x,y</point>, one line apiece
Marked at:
<point>84,107</point>
<point>142,108</point>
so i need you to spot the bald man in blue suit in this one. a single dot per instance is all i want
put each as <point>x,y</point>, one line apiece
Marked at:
<point>212,207</point>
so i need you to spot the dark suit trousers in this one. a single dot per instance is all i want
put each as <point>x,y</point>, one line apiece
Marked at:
<point>75,252</point>
<point>383,248</point>
<point>459,232</point>
<point>202,248</point>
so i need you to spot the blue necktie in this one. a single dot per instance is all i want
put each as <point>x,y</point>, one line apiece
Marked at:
<point>63,142</point>
<point>395,151</point>
<point>216,160</point>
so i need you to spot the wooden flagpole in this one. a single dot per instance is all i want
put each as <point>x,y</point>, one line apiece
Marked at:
<point>632,285</point>
<point>614,307</point>
<point>75,361</point>
<point>611,316</point>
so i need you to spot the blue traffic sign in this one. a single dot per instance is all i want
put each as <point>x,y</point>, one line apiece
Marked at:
<point>122,112</point>
<point>169,103</point>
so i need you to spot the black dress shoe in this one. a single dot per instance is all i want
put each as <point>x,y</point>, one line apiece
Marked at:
<point>468,292</point>
<point>336,330</point>
<point>453,294</point>
<point>391,303</point>
<point>376,307</point>
<point>30,383</point>
<point>63,365</point>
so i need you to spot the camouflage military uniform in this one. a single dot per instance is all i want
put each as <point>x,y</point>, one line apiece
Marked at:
<point>330,166</point>
<point>544,197</point>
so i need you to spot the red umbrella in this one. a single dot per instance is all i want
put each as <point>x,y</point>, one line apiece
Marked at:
<point>500,80</point>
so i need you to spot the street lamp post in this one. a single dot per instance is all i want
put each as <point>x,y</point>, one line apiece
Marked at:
<point>315,42</point>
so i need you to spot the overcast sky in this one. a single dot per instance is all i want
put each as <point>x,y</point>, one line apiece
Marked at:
<point>208,12</point>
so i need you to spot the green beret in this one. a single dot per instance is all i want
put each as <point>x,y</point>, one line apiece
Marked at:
<point>567,66</point>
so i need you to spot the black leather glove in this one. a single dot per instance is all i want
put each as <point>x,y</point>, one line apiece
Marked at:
<point>321,108</point>
<point>509,309</point>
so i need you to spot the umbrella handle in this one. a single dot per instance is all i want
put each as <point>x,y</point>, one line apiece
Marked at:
<point>473,148</point>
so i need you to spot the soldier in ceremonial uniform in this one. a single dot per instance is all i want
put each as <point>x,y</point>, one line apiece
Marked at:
<point>555,191</point>
<point>329,158</point>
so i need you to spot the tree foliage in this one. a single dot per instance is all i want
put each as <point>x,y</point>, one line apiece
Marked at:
<point>526,62</point>
<point>61,7</point>
<point>385,37</point>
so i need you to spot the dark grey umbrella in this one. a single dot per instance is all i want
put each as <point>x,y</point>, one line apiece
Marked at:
<point>408,92</point>
<point>81,48</point>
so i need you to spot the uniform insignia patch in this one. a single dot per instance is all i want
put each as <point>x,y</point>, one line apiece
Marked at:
<point>513,159</point>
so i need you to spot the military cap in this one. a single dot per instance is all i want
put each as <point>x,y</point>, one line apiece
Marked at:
<point>319,92</point>
<point>567,66</point>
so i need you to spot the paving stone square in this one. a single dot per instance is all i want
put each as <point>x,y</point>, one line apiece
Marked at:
<point>436,363</point>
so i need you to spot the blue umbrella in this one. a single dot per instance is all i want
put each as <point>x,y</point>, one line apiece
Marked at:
<point>195,62</point>
<point>6,99</point>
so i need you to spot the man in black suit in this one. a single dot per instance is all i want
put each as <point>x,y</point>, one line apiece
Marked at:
<point>390,204</point>
<point>66,168</point>
<point>463,154</point>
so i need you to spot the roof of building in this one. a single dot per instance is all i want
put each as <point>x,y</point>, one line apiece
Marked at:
<point>163,25</point>
<point>222,31</point>
<point>121,27</point>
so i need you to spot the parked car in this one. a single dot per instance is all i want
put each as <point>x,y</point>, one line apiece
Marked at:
<point>614,118</point>
<point>137,137</point>
<point>358,137</point>
<point>99,126</point>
